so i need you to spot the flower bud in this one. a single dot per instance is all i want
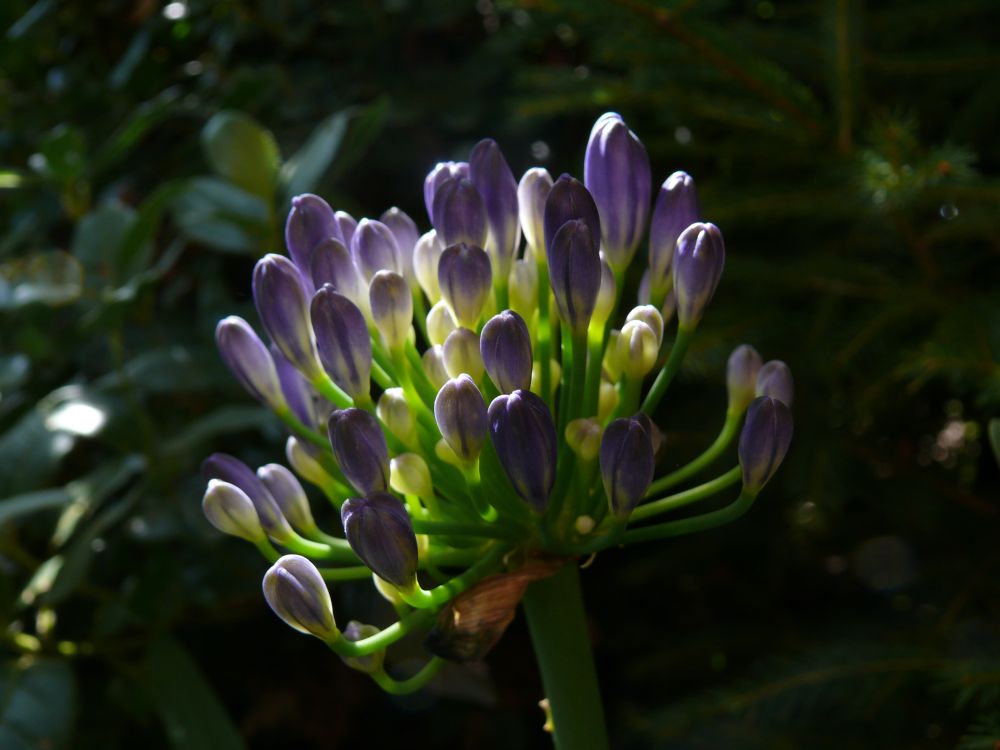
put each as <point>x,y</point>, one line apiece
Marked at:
<point>434,369</point>
<point>360,448</point>
<point>439,323</point>
<point>281,303</point>
<point>651,317</point>
<point>567,201</point>
<point>612,362</point>
<point>524,436</point>
<point>357,631</point>
<point>397,415</point>
<point>460,214</point>
<point>387,591</point>
<point>584,437</point>
<point>232,471</point>
<point>229,510</point>
<point>494,181</point>
<point>764,441</point>
<point>617,174</point>
<point>298,392</point>
<point>505,345</point>
<point>374,249</point>
<point>775,380</point>
<point>607,293</point>
<point>523,288</point>
<point>380,532</point>
<point>741,377</point>
<point>347,225</point>
<point>700,257</point>
<point>442,172</point>
<point>289,495</point>
<point>607,400</point>
<point>297,593</point>
<point>301,457</point>
<point>333,264</point>
<point>676,209</point>
<point>460,413</point>
<point>465,278</point>
<point>392,308</point>
<point>405,231</point>
<point>249,360</point>
<point>532,191</point>
<point>536,376</point>
<point>637,349</point>
<point>310,222</point>
<point>461,354</point>
<point>409,475</point>
<point>575,273</point>
<point>426,256</point>
<point>627,463</point>
<point>342,340</point>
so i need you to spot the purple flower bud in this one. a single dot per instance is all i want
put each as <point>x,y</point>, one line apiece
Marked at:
<point>380,532</point>
<point>524,436</point>
<point>426,256</point>
<point>741,377</point>
<point>295,590</point>
<point>406,233</point>
<point>460,413</point>
<point>298,393</point>
<point>249,360</point>
<point>495,182</point>
<point>333,264</point>
<point>616,172</point>
<point>575,273</point>
<point>676,209</point>
<point>461,354</point>
<point>281,302</point>
<point>627,463</point>
<point>233,471</point>
<point>374,249</point>
<point>289,495</point>
<point>229,510</point>
<point>346,224</point>
<point>764,441</point>
<point>360,448</point>
<point>442,172</point>
<point>505,346</point>
<point>569,200</point>
<point>392,307</point>
<point>465,278</point>
<point>310,221</point>
<point>460,214</point>
<point>342,340</point>
<point>532,192</point>
<point>701,255</point>
<point>775,380</point>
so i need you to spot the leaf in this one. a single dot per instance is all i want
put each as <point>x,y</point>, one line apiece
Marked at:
<point>143,118</point>
<point>361,134</point>
<point>220,422</point>
<point>169,370</point>
<point>194,717</point>
<point>302,172</point>
<point>994,429</point>
<point>220,215</point>
<point>242,152</point>
<point>63,150</point>
<point>34,14</point>
<point>98,239</point>
<point>37,700</point>
<point>129,61</point>
<point>54,278</point>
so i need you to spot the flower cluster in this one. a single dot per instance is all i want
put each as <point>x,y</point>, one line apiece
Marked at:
<point>474,405</point>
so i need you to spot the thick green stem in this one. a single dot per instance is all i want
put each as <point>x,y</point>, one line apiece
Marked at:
<point>557,621</point>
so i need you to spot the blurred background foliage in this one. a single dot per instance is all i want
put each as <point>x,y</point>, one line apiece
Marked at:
<point>148,151</point>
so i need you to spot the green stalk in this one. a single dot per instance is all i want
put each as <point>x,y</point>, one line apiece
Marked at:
<point>701,462</point>
<point>411,684</point>
<point>670,369</point>
<point>691,525</point>
<point>693,495</point>
<point>557,621</point>
<point>544,329</point>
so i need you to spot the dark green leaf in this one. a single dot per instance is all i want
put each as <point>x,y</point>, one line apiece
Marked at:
<point>37,700</point>
<point>242,152</point>
<point>303,171</point>
<point>63,150</point>
<point>222,216</point>
<point>98,240</point>
<point>194,717</point>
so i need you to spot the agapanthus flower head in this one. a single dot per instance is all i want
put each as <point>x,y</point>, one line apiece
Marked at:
<point>388,339</point>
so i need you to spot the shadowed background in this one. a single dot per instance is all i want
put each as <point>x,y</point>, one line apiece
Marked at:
<point>846,149</point>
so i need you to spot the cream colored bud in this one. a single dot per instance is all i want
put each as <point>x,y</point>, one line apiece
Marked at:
<point>536,377</point>
<point>461,354</point>
<point>612,363</point>
<point>606,296</point>
<point>439,323</point>
<point>303,463</point>
<point>637,349</point>
<point>397,415</point>
<point>584,437</point>
<point>409,475</point>
<point>523,288</point>
<point>607,400</point>
<point>434,369</point>
<point>651,317</point>
<point>426,255</point>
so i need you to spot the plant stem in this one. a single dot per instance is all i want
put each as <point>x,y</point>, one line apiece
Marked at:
<point>670,369</point>
<point>557,621</point>
<point>711,453</point>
